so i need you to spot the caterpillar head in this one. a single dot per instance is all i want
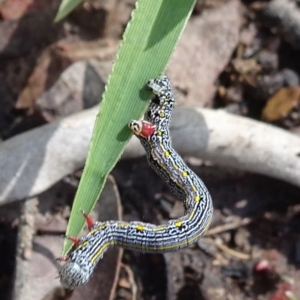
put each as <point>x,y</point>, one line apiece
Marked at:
<point>160,86</point>
<point>72,274</point>
<point>141,128</point>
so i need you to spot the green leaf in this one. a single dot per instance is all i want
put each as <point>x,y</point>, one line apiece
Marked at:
<point>65,8</point>
<point>148,43</point>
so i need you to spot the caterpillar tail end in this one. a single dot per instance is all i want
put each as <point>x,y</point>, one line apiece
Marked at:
<point>73,275</point>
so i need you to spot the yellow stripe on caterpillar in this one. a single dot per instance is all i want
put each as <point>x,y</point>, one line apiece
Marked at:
<point>140,227</point>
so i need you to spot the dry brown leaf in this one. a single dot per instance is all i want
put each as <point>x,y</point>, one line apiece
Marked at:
<point>53,61</point>
<point>201,56</point>
<point>43,76</point>
<point>281,103</point>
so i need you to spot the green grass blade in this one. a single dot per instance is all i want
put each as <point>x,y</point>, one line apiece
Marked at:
<point>65,8</point>
<point>148,43</point>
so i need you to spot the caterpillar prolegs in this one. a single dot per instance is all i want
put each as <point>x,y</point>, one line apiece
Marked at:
<point>153,133</point>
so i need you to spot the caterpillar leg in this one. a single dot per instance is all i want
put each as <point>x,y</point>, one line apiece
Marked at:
<point>88,220</point>
<point>62,258</point>
<point>75,240</point>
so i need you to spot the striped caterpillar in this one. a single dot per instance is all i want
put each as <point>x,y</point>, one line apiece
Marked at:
<point>153,133</point>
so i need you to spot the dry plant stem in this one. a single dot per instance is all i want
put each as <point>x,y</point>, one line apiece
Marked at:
<point>230,226</point>
<point>132,282</point>
<point>232,252</point>
<point>24,247</point>
<point>226,249</point>
<point>32,162</point>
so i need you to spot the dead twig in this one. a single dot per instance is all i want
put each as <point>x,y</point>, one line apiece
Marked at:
<point>132,282</point>
<point>230,226</point>
<point>219,243</point>
<point>32,162</point>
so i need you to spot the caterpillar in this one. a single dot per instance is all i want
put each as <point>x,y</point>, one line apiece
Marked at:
<point>153,133</point>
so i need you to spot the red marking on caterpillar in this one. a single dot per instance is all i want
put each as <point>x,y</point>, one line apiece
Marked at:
<point>147,129</point>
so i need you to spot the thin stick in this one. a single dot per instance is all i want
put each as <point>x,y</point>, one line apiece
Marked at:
<point>230,226</point>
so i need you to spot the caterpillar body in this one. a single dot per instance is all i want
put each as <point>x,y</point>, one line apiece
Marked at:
<point>153,133</point>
